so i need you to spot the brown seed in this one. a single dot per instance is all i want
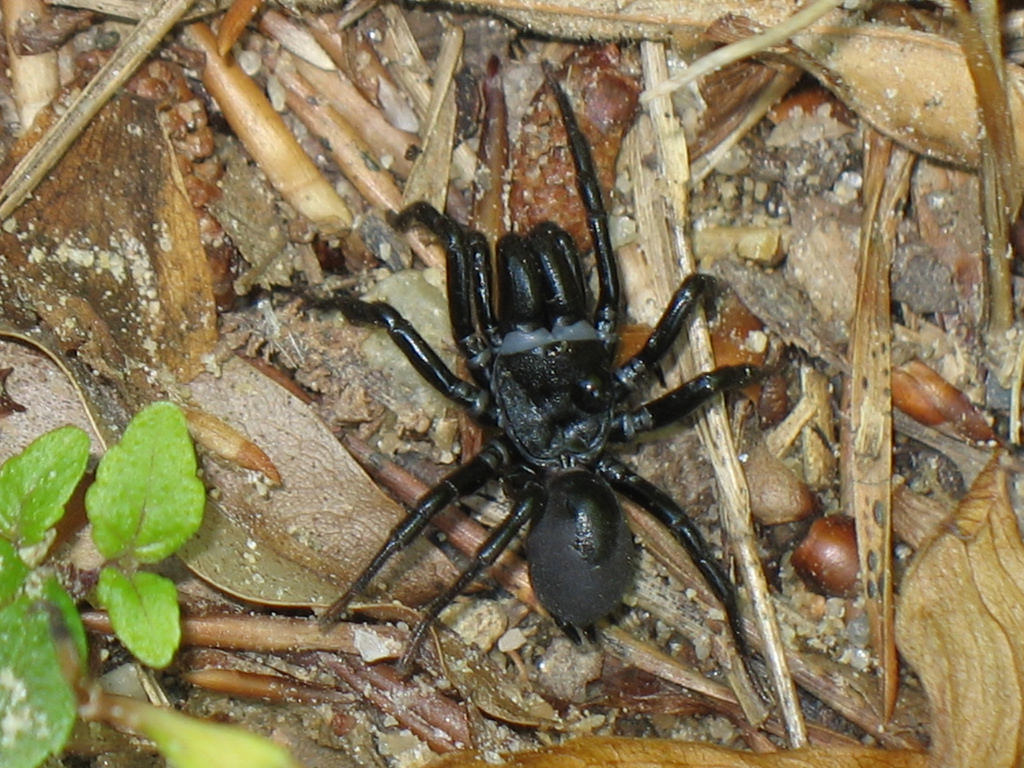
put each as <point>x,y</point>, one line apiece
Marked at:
<point>827,557</point>
<point>777,495</point>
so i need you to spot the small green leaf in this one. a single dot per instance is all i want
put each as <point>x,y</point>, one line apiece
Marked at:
<point>147,500</point>
<point>37,483</point>
<point>12,572</point>
<point>37,706</point>
<point>190,743</point>
<point>57,596</point>
<point>144,611</point>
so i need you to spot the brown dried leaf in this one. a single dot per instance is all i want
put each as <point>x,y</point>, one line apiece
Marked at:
<point>107,253</point>
<point>49,398</point>
<point>914,87</point>
<point>592,752</point>
<point>495,692</point>
<point>961,626</point>
<point>216,436</point>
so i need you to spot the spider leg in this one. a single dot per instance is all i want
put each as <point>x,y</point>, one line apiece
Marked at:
<point>520,286</point>
<point>463,481</point>
<point>607,311</point>
<point>684,300</point>
<point>482,271</point>
<point>529,497</point>
<point>559,262</point>
<point>681,401</point>
<point>425,360</point>
<point>672,516</point>
<point>468,283</point>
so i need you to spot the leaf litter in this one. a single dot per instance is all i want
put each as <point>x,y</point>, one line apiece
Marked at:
<point>795,187</point>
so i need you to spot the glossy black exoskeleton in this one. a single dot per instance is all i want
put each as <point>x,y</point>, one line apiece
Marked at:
<point>544,374</point>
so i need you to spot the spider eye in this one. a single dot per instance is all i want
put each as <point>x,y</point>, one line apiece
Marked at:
<point>591,394</point>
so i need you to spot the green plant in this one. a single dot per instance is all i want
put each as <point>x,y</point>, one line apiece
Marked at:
<point>145,502</point>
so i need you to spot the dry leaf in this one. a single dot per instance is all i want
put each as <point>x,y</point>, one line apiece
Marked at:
<point>301,543</point>
<point>219,438</point>
<point>961,626</point>
<point>593,752</point>
<point>49,398</point>
<point>492,689</point>
<point>107,253</point>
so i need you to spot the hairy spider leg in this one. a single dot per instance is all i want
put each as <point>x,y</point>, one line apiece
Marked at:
<point>425,360</point>
<point>672,516</point>
<point>463,481</point>
<point>687,296</point>
<point>685,399</point>
<point>529,498</point>
<point>606,313</point>
<point>468,284</point>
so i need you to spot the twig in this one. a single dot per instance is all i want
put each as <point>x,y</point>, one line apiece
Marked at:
<point>350,152</point>
<point>1001,187</point>
<point>430,173</point>
<point>714,427</point>
<point>34,77</point>
<point>411,71</point>
<point>267,138</point>
<point>742,49</point>
<point>392,145</point>
<point>780,84</point>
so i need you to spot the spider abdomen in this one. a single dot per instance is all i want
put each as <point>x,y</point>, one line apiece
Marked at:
<point>580,550</point>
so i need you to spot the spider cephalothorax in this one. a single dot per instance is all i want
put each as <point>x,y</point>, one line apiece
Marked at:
<point>542,359</point>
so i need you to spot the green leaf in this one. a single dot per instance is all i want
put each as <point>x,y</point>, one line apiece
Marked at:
<point>37,483</point>
<point>12,572</point>
<point>37,706</point>
<point>144,611</point>
<point>190,743</point>
<point>57,596</point>
<point>147,500</point>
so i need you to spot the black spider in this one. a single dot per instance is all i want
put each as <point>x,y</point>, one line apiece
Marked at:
<point>543,373</point>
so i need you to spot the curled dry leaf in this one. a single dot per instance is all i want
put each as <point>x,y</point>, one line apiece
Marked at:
<point>593,752</point>
<point>216,436</point>
<point>925,396</point>
<point>961,626</point>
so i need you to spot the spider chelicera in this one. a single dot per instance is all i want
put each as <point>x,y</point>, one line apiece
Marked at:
<point>544,374</point>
